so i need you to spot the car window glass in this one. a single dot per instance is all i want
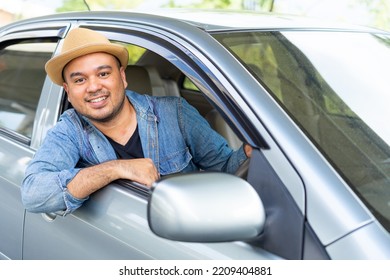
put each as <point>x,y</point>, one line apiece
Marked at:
<point>336,91</point>
<point>135,52</point>
<point>22,76</point>
<point>189,85</point>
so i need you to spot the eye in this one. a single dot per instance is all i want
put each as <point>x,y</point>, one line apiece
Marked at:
<point>104,74</point>
<point>79,80</point>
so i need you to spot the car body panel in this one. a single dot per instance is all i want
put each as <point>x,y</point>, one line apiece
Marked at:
<point>12,166</point>
<point>358,250</point>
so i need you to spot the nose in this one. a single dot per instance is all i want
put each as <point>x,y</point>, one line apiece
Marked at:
<point>94,85</point>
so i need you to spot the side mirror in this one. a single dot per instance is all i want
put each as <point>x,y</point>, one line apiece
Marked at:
<point>205,207</point>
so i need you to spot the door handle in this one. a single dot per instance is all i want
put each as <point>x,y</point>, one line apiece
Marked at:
<point>49,217</point>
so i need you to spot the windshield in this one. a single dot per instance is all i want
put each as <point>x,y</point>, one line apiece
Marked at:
<point>335,86</point>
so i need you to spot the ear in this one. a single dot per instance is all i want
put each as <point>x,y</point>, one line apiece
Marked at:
<point>65,86</point>
<point>123,76</point>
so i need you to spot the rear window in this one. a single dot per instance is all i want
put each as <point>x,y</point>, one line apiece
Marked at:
<point>22,75</point>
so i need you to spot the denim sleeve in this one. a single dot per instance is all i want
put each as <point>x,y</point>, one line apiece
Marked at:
<point>44,187</point>
<point>210,150</point>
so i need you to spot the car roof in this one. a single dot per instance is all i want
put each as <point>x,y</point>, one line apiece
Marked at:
<point>208,20</point>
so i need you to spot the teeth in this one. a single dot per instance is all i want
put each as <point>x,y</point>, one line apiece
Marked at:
<point>98,99</point>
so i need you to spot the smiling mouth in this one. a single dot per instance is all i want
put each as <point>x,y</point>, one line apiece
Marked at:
<point>99,99</point>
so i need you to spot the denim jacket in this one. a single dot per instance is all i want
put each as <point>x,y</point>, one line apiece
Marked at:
<point>173,134</point>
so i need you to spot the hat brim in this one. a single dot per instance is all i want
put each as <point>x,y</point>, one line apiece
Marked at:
<point>55,65</point>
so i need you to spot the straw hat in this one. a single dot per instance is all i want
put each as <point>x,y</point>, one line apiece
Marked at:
<point>79,42</point>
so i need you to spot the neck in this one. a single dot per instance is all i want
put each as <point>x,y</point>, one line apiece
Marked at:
<point>122,127</point>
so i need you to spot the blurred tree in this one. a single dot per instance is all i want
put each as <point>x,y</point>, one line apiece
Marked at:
<point>80,5</point>
<point>72,5</point>
<point>259,5</point>
<point>380,9</point>
<point>267,5</point>
<point>204,4</point>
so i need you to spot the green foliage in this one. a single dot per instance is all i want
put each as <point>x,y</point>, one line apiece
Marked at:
<point>380,9</point>
<point>135,53</point>
<point>72,5</point>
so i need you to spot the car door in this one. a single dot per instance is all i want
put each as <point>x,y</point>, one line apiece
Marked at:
<point>22,58</point>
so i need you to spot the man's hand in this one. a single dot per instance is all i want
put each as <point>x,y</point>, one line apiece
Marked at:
<point>141,170</point>
<point>248,150</point>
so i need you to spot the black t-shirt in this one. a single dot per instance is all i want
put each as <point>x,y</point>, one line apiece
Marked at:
<point>132,149</point>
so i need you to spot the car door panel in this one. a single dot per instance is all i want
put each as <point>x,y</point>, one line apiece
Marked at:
<point>12,167</point>
<point>283,215</point>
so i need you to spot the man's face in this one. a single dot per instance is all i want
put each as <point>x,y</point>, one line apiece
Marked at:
<point>95,85</point>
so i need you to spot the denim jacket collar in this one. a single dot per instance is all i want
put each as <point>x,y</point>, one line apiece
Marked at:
<point>147,120</point>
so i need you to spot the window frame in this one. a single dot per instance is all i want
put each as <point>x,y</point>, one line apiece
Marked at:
<point>34,32</point>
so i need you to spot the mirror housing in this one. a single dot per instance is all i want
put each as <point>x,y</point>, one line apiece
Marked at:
<point>205,207</point>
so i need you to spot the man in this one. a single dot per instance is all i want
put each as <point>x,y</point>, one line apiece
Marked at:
<point>112,133</point>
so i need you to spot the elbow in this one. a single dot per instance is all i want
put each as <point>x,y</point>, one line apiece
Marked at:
<point>32,203</point>
<point>36,198</point>
<point>28,197</point>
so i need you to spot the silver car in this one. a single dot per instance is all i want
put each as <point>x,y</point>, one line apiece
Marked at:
<point>311,98</point>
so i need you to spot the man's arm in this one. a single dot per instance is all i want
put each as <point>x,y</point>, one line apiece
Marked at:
<point>209,149</point>
<point>50,182</point>
<point>93,178</point>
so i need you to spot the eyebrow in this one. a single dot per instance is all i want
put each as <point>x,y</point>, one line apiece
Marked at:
<point>75,74</point>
